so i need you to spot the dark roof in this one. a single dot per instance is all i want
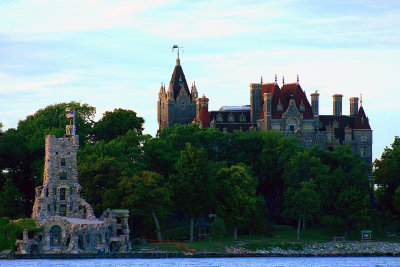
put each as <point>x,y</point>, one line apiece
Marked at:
<point>342,122</point>
<point>283,96</point>
<point>178,79</point>
<point>361,121</point>
<point>235,108</point>
<point>236,124</point>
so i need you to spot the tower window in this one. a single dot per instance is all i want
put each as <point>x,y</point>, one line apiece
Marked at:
<point>62,162</point>
<point>63,176</point>
<point>62,193</point>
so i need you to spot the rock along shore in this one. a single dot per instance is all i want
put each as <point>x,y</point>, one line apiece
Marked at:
<point>347,248</point>
<point>328,249</point>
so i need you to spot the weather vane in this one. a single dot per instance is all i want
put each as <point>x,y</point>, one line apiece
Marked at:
<point>177,47</point>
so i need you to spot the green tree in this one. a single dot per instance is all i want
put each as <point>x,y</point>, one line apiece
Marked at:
<point>301,203</point>
<point>237,201</point>
<point>10,201</point>
<point>352,208</point>
<point>194,183</point>
<point>102,166</point>
<point>218,229</point>
<point>147,194</point>
<point>386,176</point>
<point>117,123</point>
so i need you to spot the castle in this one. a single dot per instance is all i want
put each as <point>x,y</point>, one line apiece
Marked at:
<point>284,109</point>
<point>68,222</point>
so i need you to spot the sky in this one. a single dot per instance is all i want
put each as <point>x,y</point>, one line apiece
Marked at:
<point>115,54</point>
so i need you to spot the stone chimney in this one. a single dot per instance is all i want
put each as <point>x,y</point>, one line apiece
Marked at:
<point>353,106</point>
<point>315,103</point>
<point>337,104</point>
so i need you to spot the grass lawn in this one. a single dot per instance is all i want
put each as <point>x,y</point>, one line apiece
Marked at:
<point>282,237</point>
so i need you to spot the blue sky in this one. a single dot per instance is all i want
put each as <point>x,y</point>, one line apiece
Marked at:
<point>115,54</point>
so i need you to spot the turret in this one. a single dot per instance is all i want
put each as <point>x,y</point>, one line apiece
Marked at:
<point>194,92</point>
<point>255,101</point>
<point>337,104</point>
<point>353,106</point>
<point>267,110</point>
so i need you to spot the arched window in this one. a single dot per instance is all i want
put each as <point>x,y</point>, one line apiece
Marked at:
<point>292,124</point>
<point>55,236</point>
<point>62,162</point>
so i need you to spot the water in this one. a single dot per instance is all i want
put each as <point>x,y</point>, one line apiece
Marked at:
<point>214,262</point>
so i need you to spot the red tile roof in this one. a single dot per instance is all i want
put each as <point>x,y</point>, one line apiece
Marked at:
<point>284,95</point>
<point>204,117</point>
<point>361,121</point>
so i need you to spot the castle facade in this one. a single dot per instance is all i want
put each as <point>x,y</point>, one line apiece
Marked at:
<point>284,109</point>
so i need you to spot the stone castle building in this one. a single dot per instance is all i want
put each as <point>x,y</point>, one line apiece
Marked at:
<point>284,109</point>
<point>68,222</point>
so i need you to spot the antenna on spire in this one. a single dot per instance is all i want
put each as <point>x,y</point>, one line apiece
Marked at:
<point>177,47</point>
<point>297,78</point>
<point>361,100</point>
<point>276,78</point>
<point>283,79</point>
<point>261,79</point>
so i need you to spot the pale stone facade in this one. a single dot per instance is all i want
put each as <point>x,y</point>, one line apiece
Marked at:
<point>68,222</point>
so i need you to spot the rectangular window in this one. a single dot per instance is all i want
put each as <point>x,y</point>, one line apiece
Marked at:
<point>363,137</point>
<point>63,175</point>
<point>276,127</point>
<point>62,193</point>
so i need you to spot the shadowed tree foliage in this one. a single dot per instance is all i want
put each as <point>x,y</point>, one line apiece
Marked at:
<point>301,203</point>
<point>387,176</point>
<point>102,166</point>
<point>194,184</point>
<point>147,195</point>
<point>237,200</point>
<point>117,123</point>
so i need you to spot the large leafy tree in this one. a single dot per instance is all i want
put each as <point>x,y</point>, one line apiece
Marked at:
<point>237,200</point>
<point>117,123</point>
<point>10,200</point>
<point>387,176</point>
<point>147,195</point>
<point>102,166</point>
<point>301,203</point>
<point>194,183</point>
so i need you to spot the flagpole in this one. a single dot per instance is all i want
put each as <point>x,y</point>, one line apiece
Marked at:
<point>74,122</point>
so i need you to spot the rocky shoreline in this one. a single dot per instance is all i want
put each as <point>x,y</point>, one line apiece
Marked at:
<point>328,249</point>
<point>347,248</point>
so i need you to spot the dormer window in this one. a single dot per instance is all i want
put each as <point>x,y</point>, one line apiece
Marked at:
<point>279,107</point>
<point>219,118</point>
<point>180,81</point>
<point>301,107</point>
<point>183,105</point>
<point>242,118</point>
<point>231,118</point>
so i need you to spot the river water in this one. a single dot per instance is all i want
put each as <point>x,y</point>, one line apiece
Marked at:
<point>203,262</point>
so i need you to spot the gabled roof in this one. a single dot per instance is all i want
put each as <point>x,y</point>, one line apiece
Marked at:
<point>178,79</point>
<point>361,121</point>
<point>341,122</point>
<point>283,96</point>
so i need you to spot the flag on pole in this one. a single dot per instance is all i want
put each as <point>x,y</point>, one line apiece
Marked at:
<point>70,115</point>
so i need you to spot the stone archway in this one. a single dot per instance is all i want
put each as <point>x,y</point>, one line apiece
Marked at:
<point>55,236</point>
